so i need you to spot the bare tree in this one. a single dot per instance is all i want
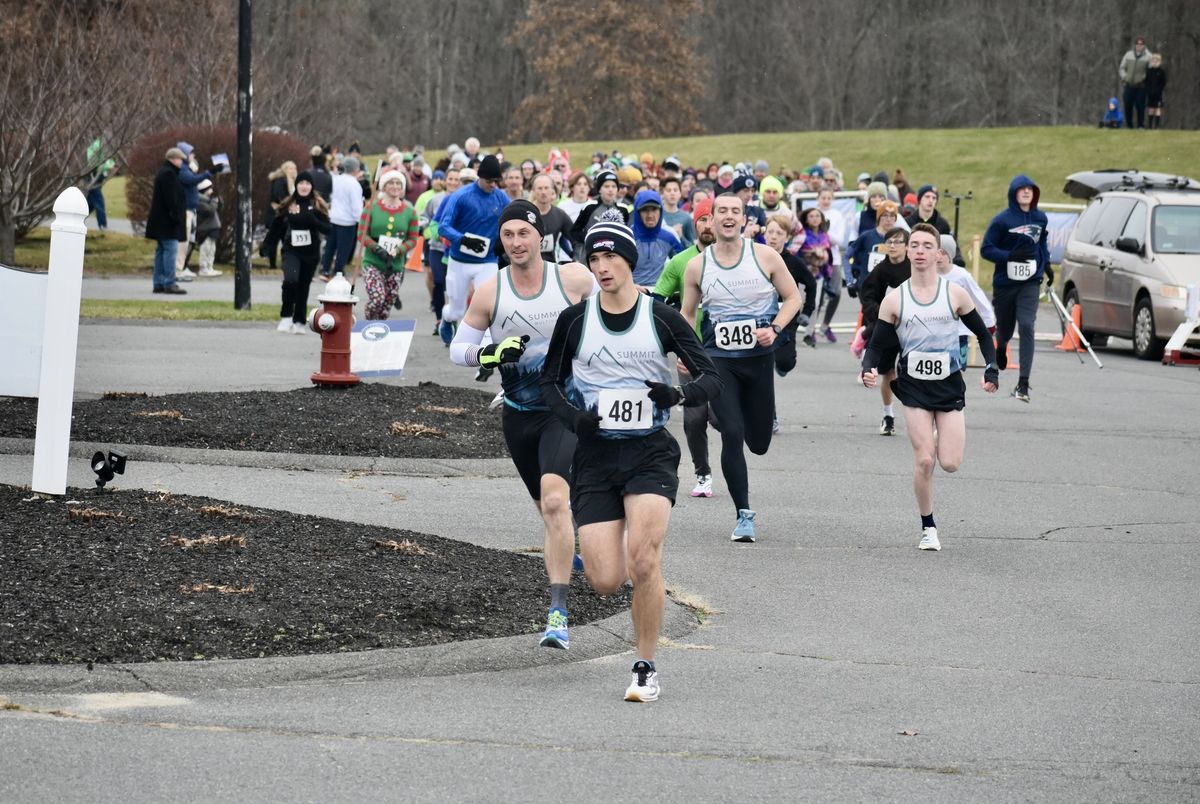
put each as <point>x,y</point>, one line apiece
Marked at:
<point>71,85</point>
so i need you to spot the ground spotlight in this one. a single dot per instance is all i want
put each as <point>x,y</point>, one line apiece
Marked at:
<point>107,467</point>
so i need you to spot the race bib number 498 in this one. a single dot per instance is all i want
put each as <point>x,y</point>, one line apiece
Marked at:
<point>929,365</point>
<point>735,335</point>
<point>625,409</point>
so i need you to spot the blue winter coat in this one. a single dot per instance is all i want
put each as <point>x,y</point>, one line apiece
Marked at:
<point>655,246</point>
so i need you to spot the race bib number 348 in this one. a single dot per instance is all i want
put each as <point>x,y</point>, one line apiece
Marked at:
<point>735,335</point>
<point>929,365</point>
<point>625,409</point>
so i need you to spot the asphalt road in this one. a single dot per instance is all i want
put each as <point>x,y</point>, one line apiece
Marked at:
<point>1049,652</point>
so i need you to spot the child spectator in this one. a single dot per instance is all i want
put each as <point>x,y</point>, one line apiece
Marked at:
<point>1156,82</point>
<point>208,227</point>
<point>1112,116</point>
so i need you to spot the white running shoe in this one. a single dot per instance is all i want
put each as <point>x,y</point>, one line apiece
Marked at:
<point>186,275</point>
<point>285,325</point>
<point>497,400</point>
<point>703,486</point>
<point>209,272</point>
<point>929,540</point>
<point>300,328</point>
<point>644,687</point>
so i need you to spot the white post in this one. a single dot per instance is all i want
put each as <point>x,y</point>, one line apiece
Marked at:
<point>60,341</point>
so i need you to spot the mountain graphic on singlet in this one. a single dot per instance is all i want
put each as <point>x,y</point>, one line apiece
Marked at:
<point>916,319</point>
<point>516,316</point>
<point>718,283</point>
<point>605,357</point>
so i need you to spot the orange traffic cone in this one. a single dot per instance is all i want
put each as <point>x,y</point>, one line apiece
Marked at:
<point>1070,341</point>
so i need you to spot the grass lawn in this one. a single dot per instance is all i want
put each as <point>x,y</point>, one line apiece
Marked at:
<point>114,198</point>
<point>174,311</point>
<point>105,254</point>
<point>981,160</point>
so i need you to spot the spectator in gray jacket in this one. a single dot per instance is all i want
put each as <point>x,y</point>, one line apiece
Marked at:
<point>1133,76</point>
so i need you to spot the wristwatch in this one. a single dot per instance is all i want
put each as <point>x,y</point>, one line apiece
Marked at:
<point>778,329</point>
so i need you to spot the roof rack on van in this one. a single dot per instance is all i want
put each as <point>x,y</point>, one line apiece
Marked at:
<point>1089,183</point>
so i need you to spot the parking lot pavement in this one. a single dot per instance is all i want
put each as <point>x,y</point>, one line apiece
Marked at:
<point>1048,652</point>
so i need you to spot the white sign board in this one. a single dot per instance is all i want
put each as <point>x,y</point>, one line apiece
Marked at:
<point>380,348</point>
<point>23,313</point>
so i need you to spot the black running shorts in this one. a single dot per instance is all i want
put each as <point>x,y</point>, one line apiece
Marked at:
<point>936,395</point>
<point>606,469</point>
<point>540,444</point>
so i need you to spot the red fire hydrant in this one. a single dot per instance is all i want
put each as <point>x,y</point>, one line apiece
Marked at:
<point>333,321</point>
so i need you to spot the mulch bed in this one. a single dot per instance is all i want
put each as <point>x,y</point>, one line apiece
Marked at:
<point>371,419</point>
<point>134,576</point>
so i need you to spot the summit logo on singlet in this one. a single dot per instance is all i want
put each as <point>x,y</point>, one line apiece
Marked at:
<point>732,286</point>
<point>618,358</point>
<point>534,321</point>
<point>932,318</point>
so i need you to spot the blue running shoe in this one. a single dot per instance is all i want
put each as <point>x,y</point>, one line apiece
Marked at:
<point>577,563</point>
<point>743,531</point>
<point>555,635</point>
<point>447,332</point>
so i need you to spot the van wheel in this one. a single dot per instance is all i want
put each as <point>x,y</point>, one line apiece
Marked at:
<point>1146,345</point>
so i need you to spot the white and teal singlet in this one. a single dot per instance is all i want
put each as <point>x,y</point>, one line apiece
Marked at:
<point>928,334</point>
<point>535,316</point>
<point>609,371</point>
<point>737,299</point>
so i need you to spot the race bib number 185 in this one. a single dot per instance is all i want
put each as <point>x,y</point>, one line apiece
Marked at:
<point>735,335</point>
<point>625,409</point>
<point>1021,270</point>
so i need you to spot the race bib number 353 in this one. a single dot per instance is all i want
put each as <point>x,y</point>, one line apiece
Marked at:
<point>929,365</point>
<point>301,237</point>
<point>625,409</point>
<point>1021,270</point>
<point>735,335</point>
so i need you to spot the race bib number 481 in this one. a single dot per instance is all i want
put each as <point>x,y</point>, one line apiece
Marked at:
<point>625,409</point>
<point>1021,270</point>
<point>735,335</point>
<point>929,365</point>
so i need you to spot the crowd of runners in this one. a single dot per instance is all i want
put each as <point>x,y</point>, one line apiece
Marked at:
<point>609,295</point>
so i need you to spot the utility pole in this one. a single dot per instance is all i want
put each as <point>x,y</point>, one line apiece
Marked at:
<point>244,231</point>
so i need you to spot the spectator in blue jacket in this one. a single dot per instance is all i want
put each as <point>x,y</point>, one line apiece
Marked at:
<point>655,244</point>
<point>1016,242</point>
<point>1112,115</point>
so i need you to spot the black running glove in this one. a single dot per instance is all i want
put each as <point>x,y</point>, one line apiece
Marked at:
<point>586,423</point>
<point>382,253</point>
<point>472,243</point>
<point>663,395</point>
<point>991,374</point>
<point>508,350</point>
<point>1049,276</point>
<point>1023,251</point>
<point>852,289</point>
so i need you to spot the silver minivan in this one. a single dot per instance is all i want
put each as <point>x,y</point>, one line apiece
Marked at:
<point>1132,254</point>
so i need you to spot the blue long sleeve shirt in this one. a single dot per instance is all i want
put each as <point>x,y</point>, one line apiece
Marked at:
<point>474,211</point>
